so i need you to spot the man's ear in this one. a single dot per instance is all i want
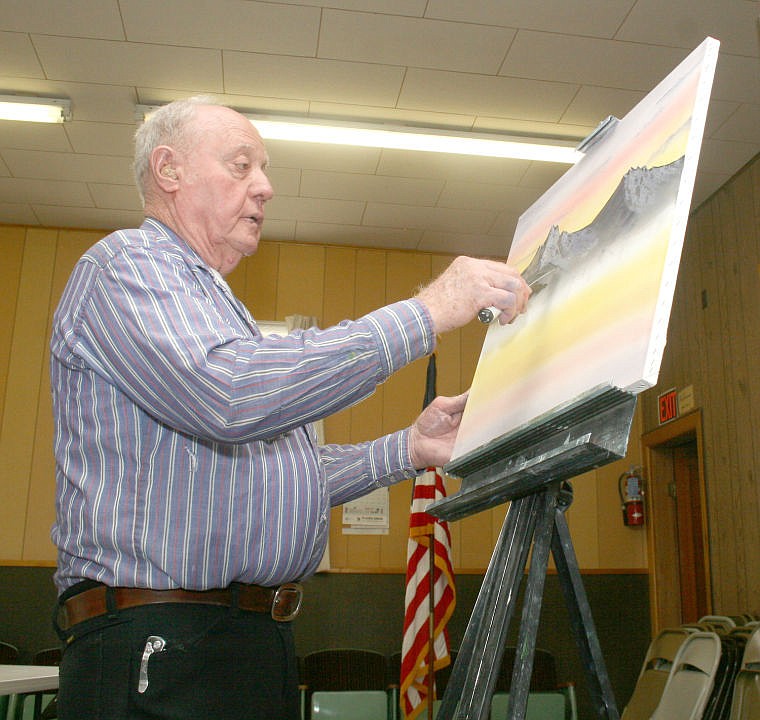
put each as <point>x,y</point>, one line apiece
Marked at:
<point>163,168</point>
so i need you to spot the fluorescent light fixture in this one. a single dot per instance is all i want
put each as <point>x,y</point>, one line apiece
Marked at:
<point>34,109</point>
<point>402,137</point>
<point>415,138</point>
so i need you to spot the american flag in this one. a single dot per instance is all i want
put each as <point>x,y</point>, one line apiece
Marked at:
<point>418,619</point>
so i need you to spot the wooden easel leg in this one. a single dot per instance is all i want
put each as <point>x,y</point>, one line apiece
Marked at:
<point>580,613</point>
<point>470,687</point>
<point>531,606</point>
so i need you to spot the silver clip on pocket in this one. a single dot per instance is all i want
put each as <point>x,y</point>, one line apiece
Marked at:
<point>153,645</point>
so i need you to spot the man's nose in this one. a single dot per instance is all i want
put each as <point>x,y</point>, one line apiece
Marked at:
<point>262,187</point>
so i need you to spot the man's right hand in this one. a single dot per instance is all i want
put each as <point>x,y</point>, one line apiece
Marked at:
<point>469,284</point>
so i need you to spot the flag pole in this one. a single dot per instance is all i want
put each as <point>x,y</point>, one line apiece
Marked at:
<point>430,393</point>
<point>431,620</point>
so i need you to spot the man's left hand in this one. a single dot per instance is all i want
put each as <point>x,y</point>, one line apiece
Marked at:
<point>433,433</point>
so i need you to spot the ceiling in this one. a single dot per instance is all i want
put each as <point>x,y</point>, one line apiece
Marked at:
<point>551,68</point>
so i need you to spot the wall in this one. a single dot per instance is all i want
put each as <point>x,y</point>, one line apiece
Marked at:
<point>714,346</point>
<point>329,282</point>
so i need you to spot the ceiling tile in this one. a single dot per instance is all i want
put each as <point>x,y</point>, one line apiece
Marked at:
<point>444,219</point>
<point>481,196</point>
<point>99,138</point>
<point>312,79</point>
<point>484,95</point>
<point>392,116</point>
<point>90,218</point>
<point>285,181</point>
<point>314,156</point>
<point>124,63</point>
<point>504,226</point>
<point>600,18</point>
<point>358,235</point>
<point>315,210</point>
<point>459,167</point>
<point>718,112</point>
<point>715,153</point>
<point>414,42</point>
<point>33,136</point>
<point>414,8</point>
<point>17,214</point>
<point>53,192</point>
<point>78,18</point>
<point>737,78</point>
<point>706,185</point>
<point>542,175</point>
<point>120,197</point>
<point>379,188</point>
<point>69,166</point>
<point>742,125</point>
<point>462,244</point>
<point>593,104</point>
<point>282,230</point>
<point>19,57</point>
<point>686,23</point>
<point>589,61</point>
<point>231,24</point>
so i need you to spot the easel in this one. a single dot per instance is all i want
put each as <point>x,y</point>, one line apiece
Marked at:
<point>530,467</point>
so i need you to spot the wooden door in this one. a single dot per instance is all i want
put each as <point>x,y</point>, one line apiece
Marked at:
<point>676,523</point>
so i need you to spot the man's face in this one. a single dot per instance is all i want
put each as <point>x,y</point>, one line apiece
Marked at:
<point>223,186</point>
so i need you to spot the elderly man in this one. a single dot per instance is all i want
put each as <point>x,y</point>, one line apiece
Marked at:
<point>191,492</point>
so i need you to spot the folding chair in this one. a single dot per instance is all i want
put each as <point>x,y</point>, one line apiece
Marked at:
<point>746,699</point>
<point>654,673</point>
<point>691,679</point>
<point>332,672</point>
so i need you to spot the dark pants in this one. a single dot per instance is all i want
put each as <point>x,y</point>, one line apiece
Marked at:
<point>217,663</point>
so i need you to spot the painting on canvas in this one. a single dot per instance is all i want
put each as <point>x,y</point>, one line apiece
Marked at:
<point>601,250</point>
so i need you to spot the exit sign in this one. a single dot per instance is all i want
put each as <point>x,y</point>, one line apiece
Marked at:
<point>667,403</point>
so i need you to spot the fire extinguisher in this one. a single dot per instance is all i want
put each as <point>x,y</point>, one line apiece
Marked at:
<point>631,497</point>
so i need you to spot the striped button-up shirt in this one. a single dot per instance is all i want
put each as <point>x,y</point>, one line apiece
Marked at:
<point>184,454</point>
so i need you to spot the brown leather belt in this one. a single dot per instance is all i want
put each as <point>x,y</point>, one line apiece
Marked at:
<point>282,603</point>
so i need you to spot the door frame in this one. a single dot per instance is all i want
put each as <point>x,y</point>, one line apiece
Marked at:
<point>656,447</point>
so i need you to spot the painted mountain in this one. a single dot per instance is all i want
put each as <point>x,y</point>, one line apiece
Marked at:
<point>641,194</point>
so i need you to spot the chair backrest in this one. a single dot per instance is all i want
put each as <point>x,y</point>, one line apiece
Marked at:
<point>732,649</point>
<point>48,656</point>
<point>338,670</point>
<point>541,706</point>
<point>344,669</point>
<point>654,673</point>
<point>350,705</point>
<point>746,698</point>
<point>542,679</point>
<point>691,678</point>
<point>8,653</point>
<point>718,621</point>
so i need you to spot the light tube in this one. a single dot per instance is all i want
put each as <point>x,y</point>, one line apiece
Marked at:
<point>34,109</point>
<point>405,138</point>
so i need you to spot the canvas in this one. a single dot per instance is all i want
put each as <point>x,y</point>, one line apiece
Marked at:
<point>601,250</point>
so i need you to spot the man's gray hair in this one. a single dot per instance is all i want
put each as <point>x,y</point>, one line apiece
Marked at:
<point>166,126</point>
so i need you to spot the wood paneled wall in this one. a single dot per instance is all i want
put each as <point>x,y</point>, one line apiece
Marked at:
<point>329,282</point>
<point>714,345</point>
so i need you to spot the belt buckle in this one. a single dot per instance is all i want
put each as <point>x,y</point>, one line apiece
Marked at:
<point>287,602</point>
